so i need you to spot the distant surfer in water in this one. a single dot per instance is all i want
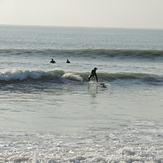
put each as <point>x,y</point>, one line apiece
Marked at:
<point>52,61</point>
<point>68,61</point>
<point>93,74</point>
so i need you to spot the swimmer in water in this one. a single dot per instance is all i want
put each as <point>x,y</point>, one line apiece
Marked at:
<point>52,61</point>
<point>68,61</point>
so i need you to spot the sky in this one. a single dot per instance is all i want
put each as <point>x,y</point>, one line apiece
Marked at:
<point>83,13</point>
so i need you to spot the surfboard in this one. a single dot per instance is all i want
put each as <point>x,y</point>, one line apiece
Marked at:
<point>100,84</point>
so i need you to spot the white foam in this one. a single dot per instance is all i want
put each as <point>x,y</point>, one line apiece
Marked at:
<point>22,75</point>
<point>112,146</point>
<point>71,76</point>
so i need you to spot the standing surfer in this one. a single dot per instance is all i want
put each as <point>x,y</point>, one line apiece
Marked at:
<point>93,74</point>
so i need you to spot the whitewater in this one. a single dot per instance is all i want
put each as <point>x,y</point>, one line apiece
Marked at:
<point>50,113</point>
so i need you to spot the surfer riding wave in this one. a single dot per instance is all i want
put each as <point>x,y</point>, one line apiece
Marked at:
<point>93,74</point>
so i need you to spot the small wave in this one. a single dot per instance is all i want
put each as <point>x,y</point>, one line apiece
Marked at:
<point>89,53</point>
<point>142,77</point>
<point>56,76</point>
<point>60,76</point>
<point>22,75</point>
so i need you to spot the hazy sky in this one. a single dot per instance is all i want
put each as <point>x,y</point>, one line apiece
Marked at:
<point>87,13</point>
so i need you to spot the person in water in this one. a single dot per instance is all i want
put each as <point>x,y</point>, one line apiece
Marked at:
<point>68,61</point>
<point>93,74</point>
<point>52,61</point>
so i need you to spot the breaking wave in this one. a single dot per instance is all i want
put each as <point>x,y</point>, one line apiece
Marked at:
<point>60,76</point>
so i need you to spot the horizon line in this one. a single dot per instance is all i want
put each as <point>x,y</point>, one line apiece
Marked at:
<point>81,26</point>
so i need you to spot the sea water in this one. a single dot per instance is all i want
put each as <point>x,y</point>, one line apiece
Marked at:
<point>50,113</point>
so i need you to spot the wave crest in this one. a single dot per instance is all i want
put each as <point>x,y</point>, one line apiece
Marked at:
<point>60,76</point>
<point>21,75</point>
<point>89,53</point>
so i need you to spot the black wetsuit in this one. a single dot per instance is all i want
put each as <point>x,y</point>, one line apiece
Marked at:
<point>93,74</point>
<point>52,61</point>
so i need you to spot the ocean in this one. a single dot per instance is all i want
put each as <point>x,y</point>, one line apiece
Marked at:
<point>49,113</point>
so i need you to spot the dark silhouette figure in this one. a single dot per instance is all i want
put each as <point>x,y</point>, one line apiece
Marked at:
<point>68,61</point>
<point>93,74</point>
<point>52,61</point>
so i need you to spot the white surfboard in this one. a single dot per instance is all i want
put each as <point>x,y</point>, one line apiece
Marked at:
<point>100,84</point>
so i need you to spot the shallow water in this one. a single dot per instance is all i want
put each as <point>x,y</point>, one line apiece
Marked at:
<point>49,113</point>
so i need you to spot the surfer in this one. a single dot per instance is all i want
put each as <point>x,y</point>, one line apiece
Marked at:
<point>93,74</point>
<point>68,61</point>
<point>52,61</point>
